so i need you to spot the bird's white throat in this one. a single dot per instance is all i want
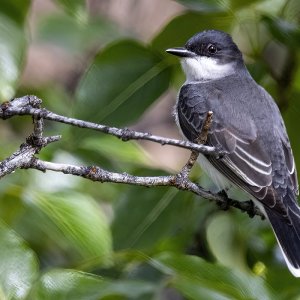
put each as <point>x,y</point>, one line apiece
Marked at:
<point>202,68</point>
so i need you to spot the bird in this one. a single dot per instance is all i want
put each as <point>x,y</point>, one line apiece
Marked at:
<point>247,127</point>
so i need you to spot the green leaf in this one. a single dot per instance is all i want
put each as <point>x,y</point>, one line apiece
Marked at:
<point>291,119</point>
<point>193,291</point>
<point>225,243</point>
<point>284,31</point>
<point>181,28</point>
<point>18,265</point>
<point>204,5</point>
<point>197,279</point>
<point>12,49</point>
<point>239,4</point>
<point>284,284</point>
<point>215,5</point>
<point>111,148</point>
<point>81,221</point>
<point>71,284</point>
<point>76,8</point>
<point>123,80</point>
<point>15,10</point>
<point>74,36</point>
<point>149,217</point>
<point>160,218</point>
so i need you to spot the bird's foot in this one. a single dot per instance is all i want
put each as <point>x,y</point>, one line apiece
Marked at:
<point>225,203</point>
<point>251,209</point>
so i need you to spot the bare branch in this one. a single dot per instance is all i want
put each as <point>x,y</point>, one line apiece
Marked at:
<point>98,174</point>
<point>23,106</point>
<point>25,156</point>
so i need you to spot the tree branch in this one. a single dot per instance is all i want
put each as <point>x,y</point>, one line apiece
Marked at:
<point>178,181</point>
<point>30,105</point>
<point>25,157</point>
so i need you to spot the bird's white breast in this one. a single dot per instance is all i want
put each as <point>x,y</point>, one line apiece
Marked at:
<point>202,68</point>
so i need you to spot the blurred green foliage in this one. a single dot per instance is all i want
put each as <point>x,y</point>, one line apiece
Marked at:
<point>67,238</point>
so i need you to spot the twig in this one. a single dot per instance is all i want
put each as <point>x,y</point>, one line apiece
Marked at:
<point>23,106</point>
<point>22,158</point>
<point>98,174</point>
<point>202,138</point>
<point>25,156</point>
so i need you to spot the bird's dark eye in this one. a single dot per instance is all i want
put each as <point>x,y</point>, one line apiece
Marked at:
<point>212,49</point>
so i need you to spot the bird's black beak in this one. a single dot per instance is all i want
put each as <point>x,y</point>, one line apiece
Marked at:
<point>181,52</point>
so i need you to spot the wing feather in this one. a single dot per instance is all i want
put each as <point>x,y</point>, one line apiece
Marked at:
<point>246,163</point>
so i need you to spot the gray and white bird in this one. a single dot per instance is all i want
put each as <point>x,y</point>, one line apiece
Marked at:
<point>248,126</point>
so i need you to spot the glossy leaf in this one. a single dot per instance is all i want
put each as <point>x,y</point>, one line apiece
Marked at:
<point>18,265</point>
<point>123,80</point>
<point>81,221</point>
<point>197,279</point>
<point>142,228</point>
<point>74,36</point>
<point>71,284</point>
<point>112,148</point>
<point>152,217</point>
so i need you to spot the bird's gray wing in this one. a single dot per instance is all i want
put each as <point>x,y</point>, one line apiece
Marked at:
<point>246,163</point>
<point>292,180</point>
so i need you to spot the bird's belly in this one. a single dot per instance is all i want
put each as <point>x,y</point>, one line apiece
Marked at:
<point>220,181</point>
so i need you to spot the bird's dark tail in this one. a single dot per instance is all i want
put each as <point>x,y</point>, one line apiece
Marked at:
<point>287,232</point>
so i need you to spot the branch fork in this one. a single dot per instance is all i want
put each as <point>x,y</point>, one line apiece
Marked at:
<point>26,158</point>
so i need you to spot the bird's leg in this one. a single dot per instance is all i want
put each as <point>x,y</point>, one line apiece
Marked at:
<point>245,206</point>
<point>251,211</point>
<point>225,203</point>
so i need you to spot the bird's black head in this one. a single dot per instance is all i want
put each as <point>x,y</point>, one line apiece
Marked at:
<point>210,54</point>
<point>210,43</point>
<point>214,43</point>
